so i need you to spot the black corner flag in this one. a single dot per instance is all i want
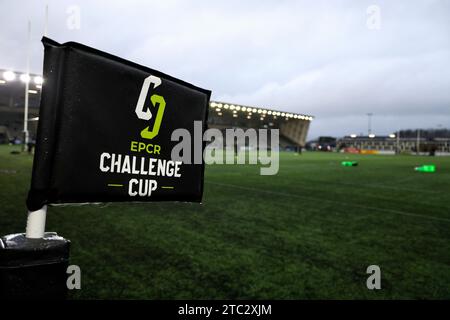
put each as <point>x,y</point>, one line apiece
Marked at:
<point>105,127</point>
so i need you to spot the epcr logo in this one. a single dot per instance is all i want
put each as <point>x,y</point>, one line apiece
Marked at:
<point>144,113</point>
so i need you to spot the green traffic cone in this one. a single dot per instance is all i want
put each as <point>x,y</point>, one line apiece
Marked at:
<point>426,168</point>
<point>349,163</point>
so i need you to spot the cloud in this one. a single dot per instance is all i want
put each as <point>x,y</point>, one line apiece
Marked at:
<point>397,86</point>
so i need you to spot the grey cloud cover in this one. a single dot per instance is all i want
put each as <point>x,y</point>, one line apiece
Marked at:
<point>315,57</point>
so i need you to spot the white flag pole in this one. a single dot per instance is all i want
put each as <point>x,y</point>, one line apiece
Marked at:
<point>36,223</point>
<point>36,219</point>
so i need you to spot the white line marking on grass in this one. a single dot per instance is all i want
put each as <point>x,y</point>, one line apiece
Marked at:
<point>398,212</point>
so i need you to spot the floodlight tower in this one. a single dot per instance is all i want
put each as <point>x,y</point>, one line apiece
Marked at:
<point>418,142</point>
<point>369,118</point>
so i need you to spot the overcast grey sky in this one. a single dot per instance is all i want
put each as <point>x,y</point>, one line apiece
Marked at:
<point>336,60</point>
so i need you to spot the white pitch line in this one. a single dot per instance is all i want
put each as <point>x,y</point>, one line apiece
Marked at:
<point>398,212</point>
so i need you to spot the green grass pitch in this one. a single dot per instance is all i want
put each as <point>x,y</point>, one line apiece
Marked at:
<point>307,233</point>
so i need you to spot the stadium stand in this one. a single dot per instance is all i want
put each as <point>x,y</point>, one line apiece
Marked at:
<point>391,144</point>
<point>293,127</point>
<point>12,100</point>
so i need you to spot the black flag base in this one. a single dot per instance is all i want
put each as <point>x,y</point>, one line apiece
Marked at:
<point>33,268</point>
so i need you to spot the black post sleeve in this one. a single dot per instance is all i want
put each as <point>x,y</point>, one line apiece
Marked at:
<point>33,268</point>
